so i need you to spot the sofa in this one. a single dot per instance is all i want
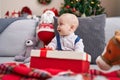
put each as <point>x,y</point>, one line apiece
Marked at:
<point>17,31</point>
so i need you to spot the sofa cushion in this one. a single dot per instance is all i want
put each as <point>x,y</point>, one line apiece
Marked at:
<point>6,60</point>
<point>5,22</point>
<point>91,29</point>
<point>12,39</point>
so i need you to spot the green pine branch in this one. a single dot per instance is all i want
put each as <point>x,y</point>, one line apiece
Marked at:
<point>79,7</point>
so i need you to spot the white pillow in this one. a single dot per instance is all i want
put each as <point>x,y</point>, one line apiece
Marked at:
<point>112,24</point>
<point>12,39</point>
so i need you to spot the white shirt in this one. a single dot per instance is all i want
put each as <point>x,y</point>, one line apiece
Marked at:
<point>68,43</point>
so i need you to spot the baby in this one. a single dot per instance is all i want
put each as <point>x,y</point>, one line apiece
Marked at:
<point>66,39</point>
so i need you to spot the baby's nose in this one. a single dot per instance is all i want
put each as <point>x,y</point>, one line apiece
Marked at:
<point>58,27</point>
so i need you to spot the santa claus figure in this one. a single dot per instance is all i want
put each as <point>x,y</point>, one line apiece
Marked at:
<point>45,29</point>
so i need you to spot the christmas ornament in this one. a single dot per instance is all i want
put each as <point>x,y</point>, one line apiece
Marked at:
<point>83,15</point>
<point>92,2</point>
<point>44,2</point>
<point>7,14</point>
<point>67,6</point>
<point>45,29</point>
<point>26,10</point>
<point>74,10</point>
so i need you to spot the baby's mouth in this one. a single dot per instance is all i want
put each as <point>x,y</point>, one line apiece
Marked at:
<point>58,30</point>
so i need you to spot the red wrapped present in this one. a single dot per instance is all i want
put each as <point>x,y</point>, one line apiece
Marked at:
<point>74,61</point>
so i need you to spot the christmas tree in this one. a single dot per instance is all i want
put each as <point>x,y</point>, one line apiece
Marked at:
<point>82,7</point>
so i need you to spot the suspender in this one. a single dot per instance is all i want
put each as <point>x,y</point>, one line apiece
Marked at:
<point>76,40</point>
<point>59,44</point>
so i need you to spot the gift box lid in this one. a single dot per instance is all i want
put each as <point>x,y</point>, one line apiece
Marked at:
<point>61,54</point>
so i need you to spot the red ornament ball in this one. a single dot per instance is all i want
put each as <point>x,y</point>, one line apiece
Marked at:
<point>73,9</point>
<point>68,6</point>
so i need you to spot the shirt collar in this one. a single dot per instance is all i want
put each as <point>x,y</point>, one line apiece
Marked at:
<point>71,35</point>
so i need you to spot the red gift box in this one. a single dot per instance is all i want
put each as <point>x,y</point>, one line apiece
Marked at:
<point>74,61</point>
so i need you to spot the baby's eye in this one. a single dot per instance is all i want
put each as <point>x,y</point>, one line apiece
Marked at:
<point>60,24</point>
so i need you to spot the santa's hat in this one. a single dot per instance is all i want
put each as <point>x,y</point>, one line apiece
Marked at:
<point>52,9</point>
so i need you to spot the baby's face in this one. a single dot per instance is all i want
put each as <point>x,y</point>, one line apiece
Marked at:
<point>64,26</point>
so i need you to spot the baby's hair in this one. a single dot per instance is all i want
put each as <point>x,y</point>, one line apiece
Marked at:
<point>73,19</point>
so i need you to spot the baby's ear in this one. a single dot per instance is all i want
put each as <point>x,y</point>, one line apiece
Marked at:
<point>73,27</point>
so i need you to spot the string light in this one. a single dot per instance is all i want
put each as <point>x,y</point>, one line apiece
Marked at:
<point>71,2</point>
<point>92,2</point>
<point>79,7</point>
<point>77,0</point>
<point>98,5</point>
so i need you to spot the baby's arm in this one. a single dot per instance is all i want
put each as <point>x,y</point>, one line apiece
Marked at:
<point>49,48</point>
<point>52,44</point>
<point>79,46</point>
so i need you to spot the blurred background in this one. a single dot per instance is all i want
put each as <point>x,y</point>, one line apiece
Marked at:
<point>112,7</point>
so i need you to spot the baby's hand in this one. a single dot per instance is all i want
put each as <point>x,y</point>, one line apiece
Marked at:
<point>49,48</point>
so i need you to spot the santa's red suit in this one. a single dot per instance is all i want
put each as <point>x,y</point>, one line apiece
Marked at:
<point>45,29</point>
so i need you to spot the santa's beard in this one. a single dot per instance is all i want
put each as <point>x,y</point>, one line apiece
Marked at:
<point>47,18</point>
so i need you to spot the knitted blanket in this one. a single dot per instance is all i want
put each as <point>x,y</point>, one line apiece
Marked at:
<point>114,75</point>
<point>10,71</point>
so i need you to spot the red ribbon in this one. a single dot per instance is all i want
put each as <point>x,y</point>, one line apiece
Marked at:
<point>43,52</point>
<point>86,57</point>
